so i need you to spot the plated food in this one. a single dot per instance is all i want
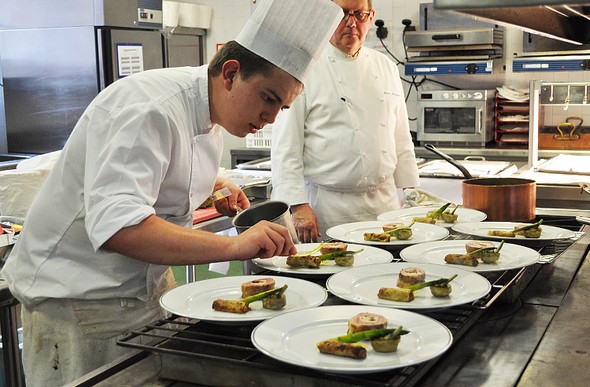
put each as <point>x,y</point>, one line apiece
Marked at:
<point>457,215</point>
<point>364,327</point>
<point>484,229</point>
<point>260,289</point>
<point>367,255</point>
<point>195,299</point>
<point>335,251</point>
<point>355,233</point>
<point>511,256</point>
<point>293,337</point>
<point>377,285</point>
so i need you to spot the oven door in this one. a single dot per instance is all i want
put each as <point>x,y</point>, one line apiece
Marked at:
<point>454,122</point>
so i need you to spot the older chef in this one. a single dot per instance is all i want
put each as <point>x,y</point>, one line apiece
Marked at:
<point>342,150</point>
<point>116,210</point>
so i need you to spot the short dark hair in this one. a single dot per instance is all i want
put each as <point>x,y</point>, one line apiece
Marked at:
<point>251,64</point>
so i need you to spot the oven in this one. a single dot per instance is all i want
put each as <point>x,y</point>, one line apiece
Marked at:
<point>456,117</point>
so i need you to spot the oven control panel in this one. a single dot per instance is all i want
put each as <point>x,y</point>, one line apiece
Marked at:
<point>452,95</point>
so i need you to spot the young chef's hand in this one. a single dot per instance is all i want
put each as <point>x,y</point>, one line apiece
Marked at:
<point>306,223</point>
<point>264,240</point>
<point>228,206</point>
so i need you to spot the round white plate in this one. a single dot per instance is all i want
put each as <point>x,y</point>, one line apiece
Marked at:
<point>354,233</point>
<point>465,215</point>
<point>361,285</point>
<point>480,230</point>
<point>369,255</point>
<point>195,299</point>
<point>511,256</point>
<point>292,338</point>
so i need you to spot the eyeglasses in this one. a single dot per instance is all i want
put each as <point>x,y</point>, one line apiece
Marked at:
<point>359,16</point>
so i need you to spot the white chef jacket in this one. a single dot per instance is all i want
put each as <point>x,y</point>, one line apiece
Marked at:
<point>344,146</point>
<point>144,146</point>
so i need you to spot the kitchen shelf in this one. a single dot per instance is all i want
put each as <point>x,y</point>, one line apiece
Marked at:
<point>511,121</point>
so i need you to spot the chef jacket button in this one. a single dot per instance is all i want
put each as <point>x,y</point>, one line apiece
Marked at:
<point>372,187</point>
<point>383,124</point>
<point>382,179</point>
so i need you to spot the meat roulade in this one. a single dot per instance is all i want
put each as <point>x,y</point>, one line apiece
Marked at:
<point>410,276</point>
<point>365,322</point>
<point>257,286</point>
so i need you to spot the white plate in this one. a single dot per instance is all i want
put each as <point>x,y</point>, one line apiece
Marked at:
<point>511,256</point>
<point>361,285</point>
<point>194,299</point>
<point>406,215</point>
<point>369,256</point>
<point>480,230</point>
<point>292,338</point>
<point>354,233</point>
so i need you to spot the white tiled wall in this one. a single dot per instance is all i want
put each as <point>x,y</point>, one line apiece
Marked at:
<point>229,16</point>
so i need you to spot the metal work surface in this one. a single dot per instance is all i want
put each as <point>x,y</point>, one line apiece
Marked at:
<point>494,340</point>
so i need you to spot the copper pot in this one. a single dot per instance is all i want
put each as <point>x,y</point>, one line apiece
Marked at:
<point>506,199</point>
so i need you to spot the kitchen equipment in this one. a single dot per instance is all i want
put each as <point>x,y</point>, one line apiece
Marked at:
<point>454,44</point>
<point>501,198</point>
<point>449,159</point>
<point>76,48</point>
<point>458,117</point>
<point>272,211</point>
<point>557,19</point>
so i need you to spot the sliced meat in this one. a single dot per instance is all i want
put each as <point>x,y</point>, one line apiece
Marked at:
<point>257,286</point>
<point>410,276</point>
<point>365,322</point>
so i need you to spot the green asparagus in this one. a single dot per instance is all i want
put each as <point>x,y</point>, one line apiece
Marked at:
<point>262,295</point>
<point>528,227</point>
<point>335,254</point>
<point>370,334</point>
<point>440,281</point>
<point>436,214</point>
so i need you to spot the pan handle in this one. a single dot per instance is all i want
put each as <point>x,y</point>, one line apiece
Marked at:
<point>449,159</point>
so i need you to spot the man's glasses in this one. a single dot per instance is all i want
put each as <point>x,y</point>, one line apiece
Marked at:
<point>359,16</point>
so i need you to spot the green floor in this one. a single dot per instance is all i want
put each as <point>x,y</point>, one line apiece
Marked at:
<point>235,268</point>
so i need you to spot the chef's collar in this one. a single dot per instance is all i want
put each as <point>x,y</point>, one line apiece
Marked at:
<point>291,34</point>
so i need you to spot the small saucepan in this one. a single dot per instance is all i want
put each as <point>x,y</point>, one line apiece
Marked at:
<point>503,199</point>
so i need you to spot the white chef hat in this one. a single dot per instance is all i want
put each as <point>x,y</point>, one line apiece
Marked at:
<point>290,34</point>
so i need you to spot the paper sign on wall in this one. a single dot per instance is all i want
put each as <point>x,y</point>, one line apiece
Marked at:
<point>129,59</point>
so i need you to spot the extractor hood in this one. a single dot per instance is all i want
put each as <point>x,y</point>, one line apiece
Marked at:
<point>556,19</point>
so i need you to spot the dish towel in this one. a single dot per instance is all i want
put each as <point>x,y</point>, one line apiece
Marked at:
<point>414,197</point>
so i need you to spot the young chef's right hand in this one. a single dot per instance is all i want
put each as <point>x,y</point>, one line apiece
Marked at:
<point>264,240</point>
<point>306,223</point>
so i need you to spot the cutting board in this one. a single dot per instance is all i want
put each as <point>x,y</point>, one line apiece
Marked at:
<point>203,214</point>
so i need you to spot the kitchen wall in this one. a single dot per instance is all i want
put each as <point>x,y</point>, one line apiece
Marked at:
<point>229,16</point>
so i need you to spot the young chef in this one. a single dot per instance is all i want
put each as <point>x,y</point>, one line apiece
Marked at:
<point>342,150</point>
<point>116,210</point>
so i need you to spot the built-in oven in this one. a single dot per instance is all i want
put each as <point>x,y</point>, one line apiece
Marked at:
<point>456,117</point>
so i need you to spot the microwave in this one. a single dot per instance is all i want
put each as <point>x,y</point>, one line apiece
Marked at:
<point>455,117</point>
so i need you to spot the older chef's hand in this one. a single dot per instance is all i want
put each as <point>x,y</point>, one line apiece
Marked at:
<point>228,206</point>
<point>306,223</point>
<point>264,240</point>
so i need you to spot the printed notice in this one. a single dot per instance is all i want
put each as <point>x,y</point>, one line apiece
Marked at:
<point>129,59</point>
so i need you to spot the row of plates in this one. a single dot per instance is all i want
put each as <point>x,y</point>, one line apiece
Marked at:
<point>290,335</point>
